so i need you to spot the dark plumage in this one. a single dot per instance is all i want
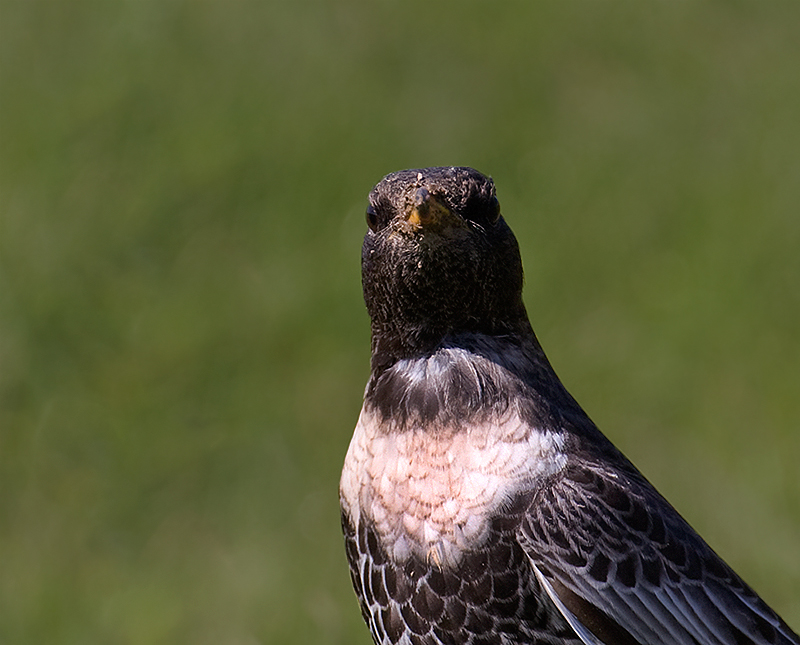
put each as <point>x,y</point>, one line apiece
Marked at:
<point>480,504</point>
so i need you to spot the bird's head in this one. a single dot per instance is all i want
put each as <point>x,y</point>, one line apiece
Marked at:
<point>438,261</point>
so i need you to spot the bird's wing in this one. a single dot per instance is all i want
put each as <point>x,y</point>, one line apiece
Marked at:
<point>619,560</point>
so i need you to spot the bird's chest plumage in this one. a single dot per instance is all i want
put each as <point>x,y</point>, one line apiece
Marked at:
<point>432,492</point>
<point>430,523</point>
<point>493,596</point>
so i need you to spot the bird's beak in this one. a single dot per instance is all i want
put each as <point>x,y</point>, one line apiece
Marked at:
<point>427,210</point>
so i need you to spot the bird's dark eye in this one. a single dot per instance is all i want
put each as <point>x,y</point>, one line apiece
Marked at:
<point>372,218</point>
<point>482,211</point>
<point>494,210</point>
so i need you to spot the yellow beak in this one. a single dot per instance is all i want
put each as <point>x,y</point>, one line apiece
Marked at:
<point>427,210</point>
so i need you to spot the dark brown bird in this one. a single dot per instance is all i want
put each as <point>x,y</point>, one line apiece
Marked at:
<point>480,504</point>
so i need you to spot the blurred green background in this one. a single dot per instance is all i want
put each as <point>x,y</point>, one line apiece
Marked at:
<point>183,345</point>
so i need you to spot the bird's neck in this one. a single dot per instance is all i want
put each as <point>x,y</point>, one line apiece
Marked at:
<point>403,335</point>
<point>465,377</point>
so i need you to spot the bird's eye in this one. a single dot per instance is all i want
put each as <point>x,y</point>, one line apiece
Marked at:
<point>372,218</point>
<point>494,210</point>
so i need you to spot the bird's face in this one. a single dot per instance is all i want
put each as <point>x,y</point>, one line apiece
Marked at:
<point>438,260</point>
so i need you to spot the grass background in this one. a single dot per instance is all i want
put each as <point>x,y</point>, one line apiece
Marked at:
<point>183,345</point>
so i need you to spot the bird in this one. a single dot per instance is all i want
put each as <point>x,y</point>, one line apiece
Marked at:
<point>480,504</point>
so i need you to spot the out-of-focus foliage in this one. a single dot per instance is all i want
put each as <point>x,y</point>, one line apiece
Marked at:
<point>183,345</point>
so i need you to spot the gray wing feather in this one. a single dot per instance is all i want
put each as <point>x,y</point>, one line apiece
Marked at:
<point>609,540</point>
<point>583,633</point>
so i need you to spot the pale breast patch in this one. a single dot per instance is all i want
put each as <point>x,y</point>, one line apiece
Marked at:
<point>433,493</point>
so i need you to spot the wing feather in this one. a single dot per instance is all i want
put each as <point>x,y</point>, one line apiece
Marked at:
<point>608,538</point>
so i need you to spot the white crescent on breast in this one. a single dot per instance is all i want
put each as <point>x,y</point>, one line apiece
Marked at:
<point>432,491</point>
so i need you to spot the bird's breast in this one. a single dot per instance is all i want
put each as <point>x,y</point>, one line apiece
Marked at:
<point>432,491</point>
